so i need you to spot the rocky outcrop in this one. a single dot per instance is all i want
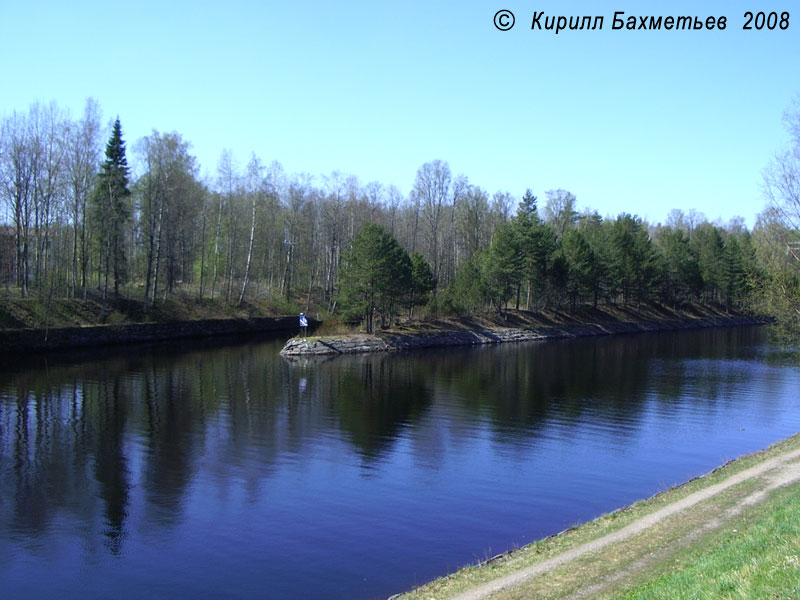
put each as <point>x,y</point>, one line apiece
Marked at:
<point>391,342</point>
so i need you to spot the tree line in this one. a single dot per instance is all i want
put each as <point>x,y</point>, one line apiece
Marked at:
<point>79,221</point>
<point>562,259</point>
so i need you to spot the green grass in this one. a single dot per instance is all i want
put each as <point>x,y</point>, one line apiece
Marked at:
<point>605,563</point>
<point>37,313</point>
<point>754,556</point>
<point>333,326</point>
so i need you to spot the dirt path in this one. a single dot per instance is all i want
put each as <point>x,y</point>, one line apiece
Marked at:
<point>781,470</point>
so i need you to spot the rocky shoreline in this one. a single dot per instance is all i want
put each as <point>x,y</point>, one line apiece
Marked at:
<point>327,346</point>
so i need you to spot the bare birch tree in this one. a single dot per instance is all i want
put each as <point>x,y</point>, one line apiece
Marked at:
<point>82,163</point>
<point>779,224</point>
<point>432,189</point>
<point>254,186</point>
<point>17,177</point>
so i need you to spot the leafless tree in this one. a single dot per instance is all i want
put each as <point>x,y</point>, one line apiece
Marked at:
<point>782,191</point>
<point>560,210</point>
<point>393,200</point>
<point>226,185</point>
<point>254,187</point>
<point>170,204</point>
<point>473,221</point>
<point>332,219</point>
<point>17,177</point>
<point>48,129</point>
<point>82,161</point>
<point>432,190</point>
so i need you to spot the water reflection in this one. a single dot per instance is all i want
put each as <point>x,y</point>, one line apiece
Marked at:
<point>110,449</point>
<point>65,427</point>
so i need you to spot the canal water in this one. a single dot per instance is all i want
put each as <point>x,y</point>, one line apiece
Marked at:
<point>225,471</point>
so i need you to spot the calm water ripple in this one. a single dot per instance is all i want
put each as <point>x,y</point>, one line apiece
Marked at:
<point>225,471</point>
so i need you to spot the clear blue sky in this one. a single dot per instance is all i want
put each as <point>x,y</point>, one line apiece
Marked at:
<point>640,121</point>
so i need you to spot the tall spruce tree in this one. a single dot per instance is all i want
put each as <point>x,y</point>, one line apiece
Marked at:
<point>111,211</point>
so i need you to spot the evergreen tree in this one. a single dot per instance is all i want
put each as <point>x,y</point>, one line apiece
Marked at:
<point>111,213</point>
<point>537,245</point>
<point>527,205</point>
<point>558,277</point>
<point>503,265</point>
<point>742,273</point>
<point>526,222</point>
<point>468,291</point>
<point>633,258</point>
<point>710,248</point>
<point>582,264</point>
<point>422,282</point>
<point>681,279</point>
<point>375,276</point>
<point>596,232</point>
<point>734,275</point>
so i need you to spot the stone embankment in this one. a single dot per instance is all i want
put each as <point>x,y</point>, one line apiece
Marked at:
<point>393,341</point>
<point>26,340</point>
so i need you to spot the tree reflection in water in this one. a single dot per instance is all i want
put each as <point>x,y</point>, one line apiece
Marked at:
<point>109,446</point>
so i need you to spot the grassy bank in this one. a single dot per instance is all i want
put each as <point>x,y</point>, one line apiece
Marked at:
<point>738,543</point>
<point>37,313</point>
<point>33,324</point>
<point>754,556</point>
<point>551,317</point>
<point>41,313</point>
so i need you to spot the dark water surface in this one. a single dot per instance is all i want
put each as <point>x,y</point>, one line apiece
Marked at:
<point>228,472</point>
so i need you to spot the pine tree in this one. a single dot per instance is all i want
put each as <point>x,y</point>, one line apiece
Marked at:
<point>633,258</point>
<point>468,291</point>
<point>375,276</point>
<point>681,280</point>
<point>537,243</point>
<point>503,266</point>
<point>582,265</point>
<point>710,247</point>
<point>111,212</point>
<point>422,282</point>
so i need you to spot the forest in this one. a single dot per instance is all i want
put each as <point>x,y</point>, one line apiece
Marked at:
<point>84,214</point>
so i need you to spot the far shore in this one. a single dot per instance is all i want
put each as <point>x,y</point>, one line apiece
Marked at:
<point>60,338</point>
<point>81,324</point>
<point>522,328</point>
